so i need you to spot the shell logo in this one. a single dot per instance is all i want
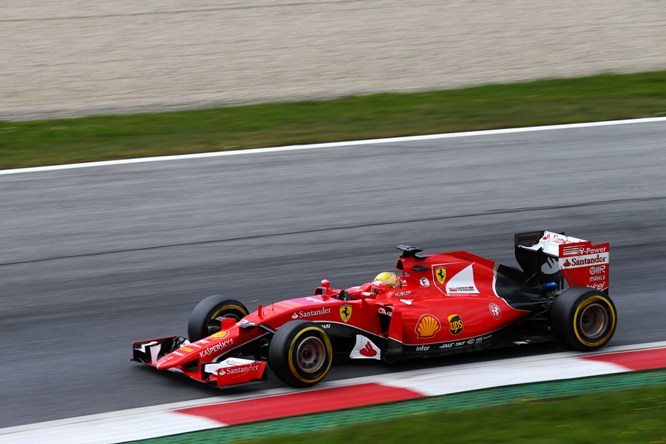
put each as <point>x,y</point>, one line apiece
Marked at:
<point>219,334</point>
<point>427,327</point>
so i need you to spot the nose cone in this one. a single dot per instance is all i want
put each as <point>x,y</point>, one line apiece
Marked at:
<point>178,357</point>
<point>165,363</point>
<point>205,349</point>
<point>171,360</point>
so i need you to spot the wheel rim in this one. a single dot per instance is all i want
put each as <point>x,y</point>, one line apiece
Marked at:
<point>593,321</point>
<point>311,355</point>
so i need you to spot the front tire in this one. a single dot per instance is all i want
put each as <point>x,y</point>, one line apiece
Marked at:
<point>583,318</point>
<point>206,317</point>
<point>300,353</point>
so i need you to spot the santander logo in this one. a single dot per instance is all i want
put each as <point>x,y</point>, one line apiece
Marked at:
<point>368,350</point>
<point>365,349</point>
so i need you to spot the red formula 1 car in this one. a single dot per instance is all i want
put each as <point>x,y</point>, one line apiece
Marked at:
<point>434,305</point>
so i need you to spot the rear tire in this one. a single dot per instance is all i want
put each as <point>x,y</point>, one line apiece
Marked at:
<point>300,353</point>
<point>206,317</point>
<point>583,318</point>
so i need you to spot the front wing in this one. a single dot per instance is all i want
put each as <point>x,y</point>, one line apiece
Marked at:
<point>230,371</point>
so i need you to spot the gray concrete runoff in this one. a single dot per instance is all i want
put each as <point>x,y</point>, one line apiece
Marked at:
<point>76,57</point>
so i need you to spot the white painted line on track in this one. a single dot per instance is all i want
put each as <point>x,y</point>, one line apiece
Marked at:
<point>630,347</point>
<point>485,375</point>
<point>109,430</point>
<point>163,420</point>
<point>503,372</point>
<point>150,411</point>
<point>331,145</point>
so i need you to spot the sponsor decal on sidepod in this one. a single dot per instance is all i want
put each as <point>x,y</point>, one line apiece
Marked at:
<point>308,314</point>
<point>427,327</point>
<point>455,324</point>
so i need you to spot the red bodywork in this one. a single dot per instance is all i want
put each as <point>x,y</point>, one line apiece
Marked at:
<point>444,303</point>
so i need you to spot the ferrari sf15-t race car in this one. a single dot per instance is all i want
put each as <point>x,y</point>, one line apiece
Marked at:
<point>434,305</point>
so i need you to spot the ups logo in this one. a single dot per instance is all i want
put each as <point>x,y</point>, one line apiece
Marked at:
<point>455,324</point>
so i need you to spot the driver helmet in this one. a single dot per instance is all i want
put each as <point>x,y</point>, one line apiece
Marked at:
<point>385,280</point>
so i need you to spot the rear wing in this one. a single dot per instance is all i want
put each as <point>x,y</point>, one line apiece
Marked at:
<point>547,256</point>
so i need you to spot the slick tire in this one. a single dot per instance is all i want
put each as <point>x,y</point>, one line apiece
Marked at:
<point>206,317</point>
<point>583,318</point>
<point>300,353</point>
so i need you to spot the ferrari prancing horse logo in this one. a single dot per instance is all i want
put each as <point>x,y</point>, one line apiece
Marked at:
<point>345,312</point>
<point>440,275</point>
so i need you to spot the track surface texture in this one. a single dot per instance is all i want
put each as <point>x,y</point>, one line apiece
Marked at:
<point>95,258</point>
<point>75,57</point>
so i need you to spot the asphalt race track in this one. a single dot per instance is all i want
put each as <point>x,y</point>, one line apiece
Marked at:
<point>94,258</point>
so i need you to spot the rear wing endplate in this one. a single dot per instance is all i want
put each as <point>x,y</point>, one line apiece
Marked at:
<point>555,257</point>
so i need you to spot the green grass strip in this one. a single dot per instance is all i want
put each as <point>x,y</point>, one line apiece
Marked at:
<point>628,407</point>
<point>597,98</point>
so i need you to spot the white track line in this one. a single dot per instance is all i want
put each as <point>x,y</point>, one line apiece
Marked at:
<point>162,420</point>
<point>331,145</point>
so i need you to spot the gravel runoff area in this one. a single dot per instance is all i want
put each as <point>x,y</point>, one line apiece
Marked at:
<point>77,57</point>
